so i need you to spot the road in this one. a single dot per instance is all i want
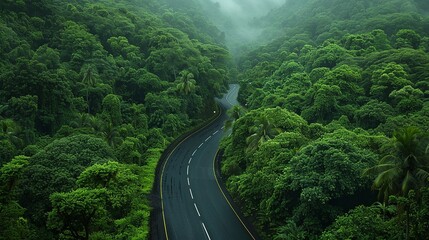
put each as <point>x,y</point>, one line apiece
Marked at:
<point>193,204</point>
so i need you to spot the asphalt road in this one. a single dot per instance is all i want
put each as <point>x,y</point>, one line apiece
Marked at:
<point>193,204</point>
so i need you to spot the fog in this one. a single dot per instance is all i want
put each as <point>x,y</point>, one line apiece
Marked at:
<point>243,10</point>
<point>238,18</point>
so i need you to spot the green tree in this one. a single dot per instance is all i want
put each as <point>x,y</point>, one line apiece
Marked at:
<point>89,80</point>
<point>405,167</point>
<point>361,223</point>
<point>407,99</point>
<point>11,175</point>
<point>112,109</point>
<point>387,78</point>
<point>77,213</point>
<point>322,101</point>
<point>186,83</point>
<point>234,114</point>
<point>373,113</point>
<point>12,221</point>
<point>55,168</point>
<point>263,131</point>
<point>23,110</point>
<point>407,38</point>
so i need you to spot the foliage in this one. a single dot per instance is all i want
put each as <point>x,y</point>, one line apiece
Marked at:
<point>353,74</point>
<point>86,83</point>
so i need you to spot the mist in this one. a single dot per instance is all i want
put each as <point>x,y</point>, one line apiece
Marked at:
<point>238,18</point>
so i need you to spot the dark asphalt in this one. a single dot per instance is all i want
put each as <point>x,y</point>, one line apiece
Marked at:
<point>193,205</point>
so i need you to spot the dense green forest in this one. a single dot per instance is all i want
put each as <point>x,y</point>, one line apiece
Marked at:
<point>332,139</point>
<point>91,93</point>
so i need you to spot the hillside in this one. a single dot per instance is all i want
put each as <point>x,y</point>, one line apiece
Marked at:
<point>334,108</point>
<point>91,93</point>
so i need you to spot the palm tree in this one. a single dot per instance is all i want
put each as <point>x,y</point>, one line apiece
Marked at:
<point>187,82</point>
<point>89,80</point>
<point>234,114</point>
<point>405,168</point>
<point>262,132</point>
<point>111,135</point>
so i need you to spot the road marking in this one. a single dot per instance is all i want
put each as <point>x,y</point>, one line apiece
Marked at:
<point>222,127</point>
<point>165,164</point>
<point>192,195</point>
<point>189,162</point>
<point>200,145</point>
<point>196,208</point>
<point>218,184</point>
<point>205,230</point>
<point>194,152</point>
<point>187,170</point>
<point>208,138</point>
<point>189,184</point>
<point>215,132</point>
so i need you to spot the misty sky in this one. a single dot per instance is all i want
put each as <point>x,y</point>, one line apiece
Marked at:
<point>247,9</point>
<point>238,15</point>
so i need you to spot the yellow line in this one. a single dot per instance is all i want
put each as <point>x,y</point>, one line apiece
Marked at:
<point>168,158</point>
<point>217,181</point>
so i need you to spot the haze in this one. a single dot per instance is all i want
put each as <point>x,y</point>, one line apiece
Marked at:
<point>235,17</point>
<point>247,9</point>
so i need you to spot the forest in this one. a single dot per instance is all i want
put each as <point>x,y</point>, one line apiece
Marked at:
<point>91,93</point>
<point>331,140</point>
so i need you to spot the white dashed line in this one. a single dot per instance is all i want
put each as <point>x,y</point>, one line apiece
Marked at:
<point>222,127</point>
<point>189,162</point>
<point>196,208</point>
<point>200,145</point>
<point>189,184</point>
<point>205,230</point>
<point>194,152</point>
<point>208,138</point>
<point>215,132</point>
<point>187,170</point>
<point>190,192</point>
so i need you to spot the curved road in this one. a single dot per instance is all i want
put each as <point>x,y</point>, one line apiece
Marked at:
<point>193,205</point>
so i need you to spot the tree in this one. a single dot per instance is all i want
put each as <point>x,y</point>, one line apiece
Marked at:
<point>11,174</point>
<point>187,82</point>
<point>24,109</point>
<point>323,102</point>
<point>89,79</point>
<point>360,223</point>
<point>387,78</point>
<point>77,213</point>
<point>12,221</point>
<point>373,113</point>
<point>407,99</point>
<point>407,38</point>
<point>112,109</point>
<point>234,113</point>
<point>56,167</point>
<point>263,131</point>
<point>405,167</point>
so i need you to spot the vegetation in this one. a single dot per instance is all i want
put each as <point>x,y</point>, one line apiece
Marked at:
<point>91,92</point>
<point>337,110</point>
<point>334,111</point>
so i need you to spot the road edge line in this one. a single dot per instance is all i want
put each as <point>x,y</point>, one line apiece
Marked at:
<point>224,195</point>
